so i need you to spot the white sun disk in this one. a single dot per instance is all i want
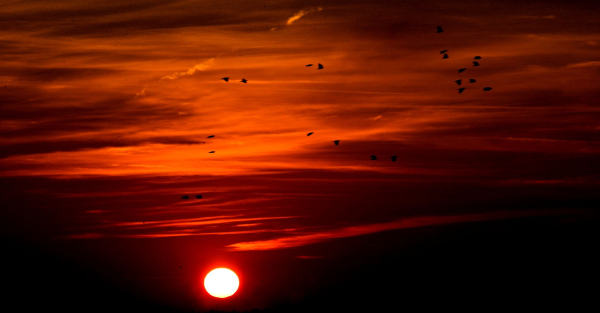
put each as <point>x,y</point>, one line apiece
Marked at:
<point>221,283</point>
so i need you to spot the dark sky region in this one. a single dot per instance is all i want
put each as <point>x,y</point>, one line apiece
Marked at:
<point>106,106</point>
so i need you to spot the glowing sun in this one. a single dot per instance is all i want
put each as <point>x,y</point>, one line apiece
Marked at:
<point>221,282</point>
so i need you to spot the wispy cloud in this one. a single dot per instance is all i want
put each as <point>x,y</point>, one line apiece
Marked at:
<point>300,14</point>
<point>192,70</point>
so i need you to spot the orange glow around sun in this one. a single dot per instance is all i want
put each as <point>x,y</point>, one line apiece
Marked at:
<point>221,283</point>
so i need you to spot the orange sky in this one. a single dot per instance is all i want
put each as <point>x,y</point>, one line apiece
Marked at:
<point>105,109</point>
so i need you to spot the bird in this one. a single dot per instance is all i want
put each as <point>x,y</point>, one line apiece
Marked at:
<point>373,157</point>
<point>460,90</point>
<point>320,66</point>
<point>337,142</point>
<point>443,51</point>
<point>226,79</point>
<point>439,29</point>
<point>310,133</point>
<point>472,80</point>
<point>199,197</point>
<point>445,56</point>
<point>211,152</point>
<point>461,70</point>
<point>211,136</point>
<point>393,157</point>
<point>477,57</point>
<point>475,63</point>
<point>243,80</point>
<point>185,197</point>
<point>307,65</point>
<point>487,88</point>
<point>458,81</point>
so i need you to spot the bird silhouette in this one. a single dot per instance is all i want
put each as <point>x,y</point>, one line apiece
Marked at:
<point>226,79</point>
<point>439,29</point>
<point>487,88</point>
<point>211,152</point>
<point>472,80</point>
<point>460,90</point>
<point>445,56</point>
<point>309,133</point>
<point>337,142</point>
<point>243,80</point>
<point>320,66</point>
<point>443,51</point>
<point>475,63</point>
<point>211,136</point>
<point>458,81</point>
<point>477,58</point>
<point>199,197</point>
<point>373,157</point>
<point>461,70</point>
<point>307,65</point>
<point>393,157</point>
<point>185,197</point>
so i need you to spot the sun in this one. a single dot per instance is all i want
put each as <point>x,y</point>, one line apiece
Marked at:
<point>221,283</point>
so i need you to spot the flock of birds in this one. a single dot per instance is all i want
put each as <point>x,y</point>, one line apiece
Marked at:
<point>337,142</point>
<point>475,63</point>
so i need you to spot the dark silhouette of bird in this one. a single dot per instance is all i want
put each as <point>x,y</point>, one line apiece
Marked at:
<point>199,197</point>
<point>320,66</point>
<point>393,157</point>
<point>460,90</point>
<point>185,197</point>
<point>445,56</point>
<point>458,81</point>
<point>373,157</point>
<point>309,133</point>
<point>226,79</point>
<point>472,80</point>
<point>307,65</point>
<point>243,80</point>
<point>211,136</point>
<point>337,142</point>
<point>475,63</point>
<point>443,51</point>
<point>439,29</point>
<point>487,88</point>
<point>211,152</point>
<point>461,70</point>
<point>477,58</point>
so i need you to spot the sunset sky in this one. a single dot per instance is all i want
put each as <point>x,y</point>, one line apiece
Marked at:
<point>106,106</point>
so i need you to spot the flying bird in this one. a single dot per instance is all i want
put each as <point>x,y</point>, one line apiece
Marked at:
<point>458,81</point>
<point>487,88</point>
<point>439,29</point>
<point>310,133</point>
<point>461,70</point>
<point>337,142</point>
<point>243,80</point>
<point>373,157</point>
<point>199,197</point>
<point>211,136</point>
<point>472,80</point>
<point>475,63</point>
<point>226,79</point>
<point>445,56</point>
<point>211,152</point>
<point>307,65</point>
<point>185,197</point>
<point>460,90</point>
<point>477,58</point>
<point>443,51</point>
<point>393,157</point>
<point>320,66</point>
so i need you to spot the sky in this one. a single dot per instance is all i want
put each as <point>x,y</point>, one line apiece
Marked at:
<point>106,108</point>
